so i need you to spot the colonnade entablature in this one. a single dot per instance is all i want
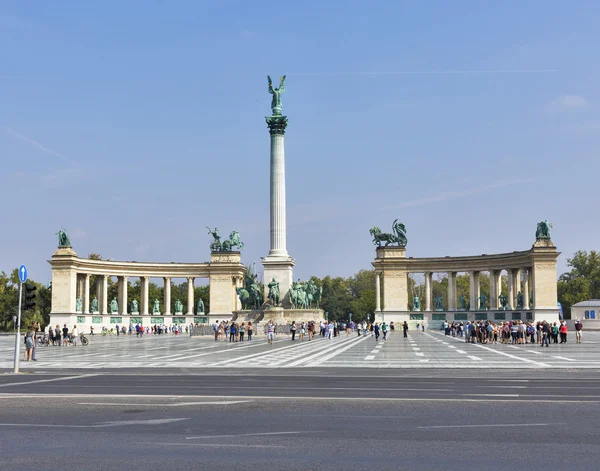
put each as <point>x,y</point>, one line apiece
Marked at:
<point>71,285</point>
<point>531,283</point>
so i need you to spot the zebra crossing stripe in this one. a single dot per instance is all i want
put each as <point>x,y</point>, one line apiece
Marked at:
<point>337,352</point>
<point>322,351</point>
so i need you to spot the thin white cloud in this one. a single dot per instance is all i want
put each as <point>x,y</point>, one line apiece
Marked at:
<point>450,195</point>
<point>77,233</point>
<point>36,144</point>
<point>567,102</point>
<point>432,72</point>
<point>142,248</point>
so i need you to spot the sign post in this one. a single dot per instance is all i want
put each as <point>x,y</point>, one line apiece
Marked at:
<point>22,279</point>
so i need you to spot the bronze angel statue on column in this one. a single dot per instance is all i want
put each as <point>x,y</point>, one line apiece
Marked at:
<point>276,92</point>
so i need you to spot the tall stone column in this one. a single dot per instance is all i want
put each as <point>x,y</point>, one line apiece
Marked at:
<point>278,264</point>
<point>86,294</point>
<point>122,295</point>
<point>190,306</point>
<point>80,287</point>
<point>474,291</point>
<point>452,291</point>
<point>144,295</point>
<point>428,286</point>
<point>495,288</point>
<point>167,298</point>
<point>525,291</point>
<point>511,289</point>
<point>99,280</point>
<point>516,285</point>
<point>104,309</point>
<point>377,292</point>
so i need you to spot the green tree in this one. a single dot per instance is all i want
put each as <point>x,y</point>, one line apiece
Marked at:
<point>582,282</point>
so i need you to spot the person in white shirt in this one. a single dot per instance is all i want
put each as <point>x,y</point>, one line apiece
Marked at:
<point>74,335</point>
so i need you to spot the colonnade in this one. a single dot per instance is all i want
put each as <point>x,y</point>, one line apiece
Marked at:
<point>517,282</point>
<point>145,304</point>
<point>531,272</point>
<point>71,280</point>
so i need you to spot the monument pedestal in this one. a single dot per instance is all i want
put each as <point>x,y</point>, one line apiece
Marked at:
<point>279,268</point>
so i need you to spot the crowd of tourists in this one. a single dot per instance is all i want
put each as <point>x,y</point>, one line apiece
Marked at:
<point>233,331</point>
<point>513,332</point>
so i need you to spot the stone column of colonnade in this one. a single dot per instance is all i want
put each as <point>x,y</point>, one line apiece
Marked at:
<point>510,286</point>
<point>475,291</point>
<point>190,301</point>
<point>167,297</point>
<point>377,292</point>
<point>516,285</point>
<point>99,279</point>
<point>525,288</point>
<point>495,287</point>
<point>86,293</point>
<point>452,291</point>
<point>428,286</point>
<point>144,307</point>
<point>122,295</point>
<point>105,302</point>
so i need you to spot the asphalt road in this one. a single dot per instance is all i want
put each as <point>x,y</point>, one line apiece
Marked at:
<point>301,420</point>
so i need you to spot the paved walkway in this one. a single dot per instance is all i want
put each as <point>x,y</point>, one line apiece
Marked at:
<point>420,350</point>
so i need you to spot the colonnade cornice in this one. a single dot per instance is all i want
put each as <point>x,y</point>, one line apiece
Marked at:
<point>502,261</point>
<point>146,269</point>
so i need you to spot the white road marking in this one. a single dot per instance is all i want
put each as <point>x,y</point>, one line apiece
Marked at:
<point>563,358</point>
<point>258,434</point>
<point>117,423</point>
<point>419,354</point>
<point>424,360</point>
<point>335,353</point>
<point>370,357</point>
<point>62,378</point>
<point>460,351</point>
<point>178,404</point>
<point>490,425</point>
<point>473,358</point>
<point>217,445</point>
<point>527,360</point>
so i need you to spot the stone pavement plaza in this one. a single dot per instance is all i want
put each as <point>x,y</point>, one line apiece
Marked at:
<point>430,349</point>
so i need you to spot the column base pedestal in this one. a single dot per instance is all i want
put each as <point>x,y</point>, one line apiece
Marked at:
<point>279,268</point>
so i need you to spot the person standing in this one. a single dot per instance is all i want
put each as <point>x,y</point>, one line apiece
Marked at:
<point>563,332</point>
<point>405,329</point>
<point>376,331</point>
<point>270,332</point>
<point>311,330</point>
<point>65,332</point>
<point>36,329</point>
<point>242,331</point>
<point>293,330</point>
<point>232,331</point>
<point>384,329</point>
<point>249,330</point>
<point>29,335</point>
<point>329,330</point>
<point>74,335</point>
<point>216,329</point>
<point>545,334</point>
<point>578,329</point>
<point>302,330</point>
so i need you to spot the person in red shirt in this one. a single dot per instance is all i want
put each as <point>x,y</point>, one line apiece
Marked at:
<point>563,332</point>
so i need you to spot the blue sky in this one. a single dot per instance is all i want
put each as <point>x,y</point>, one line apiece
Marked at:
<point>135,124</point>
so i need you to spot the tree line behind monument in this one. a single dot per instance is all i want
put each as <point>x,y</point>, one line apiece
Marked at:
<point>341,296</point>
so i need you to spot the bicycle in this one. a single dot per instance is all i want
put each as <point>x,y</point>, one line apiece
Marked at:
<point>105,331</point>
<point>84,340</point>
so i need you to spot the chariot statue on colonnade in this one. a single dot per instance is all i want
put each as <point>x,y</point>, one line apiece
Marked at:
<point>228,244</point>
<point>397,236</point>
<point>63,239</point>
<point>543,230</point>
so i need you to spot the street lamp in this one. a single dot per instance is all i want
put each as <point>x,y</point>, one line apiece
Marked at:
<point>350,318</point>
<point>327,316</point>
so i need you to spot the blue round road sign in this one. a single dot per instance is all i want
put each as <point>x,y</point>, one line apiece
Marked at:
<point>22,274</point>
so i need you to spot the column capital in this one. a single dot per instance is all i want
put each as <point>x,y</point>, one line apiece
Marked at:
<point>277,124</point>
